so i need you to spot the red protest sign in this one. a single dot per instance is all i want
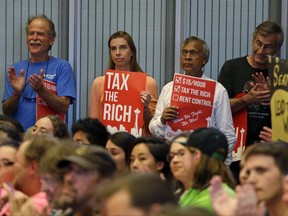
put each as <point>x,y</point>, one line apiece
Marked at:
<point>194,97</point>
<point>122,108</point>
<point>240,125</point>
<point>42,109</point>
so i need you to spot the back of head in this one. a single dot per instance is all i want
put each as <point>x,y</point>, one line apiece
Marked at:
<point>10,133</point>
<point>144,191</point>
<point>5,119</point>
<point>96,131</point>
<point>152,190</point>
<point>170,210</point>
<point>9,142</point>
<point>268,28</point>
<point>38,145</point>
<point>277,150</point>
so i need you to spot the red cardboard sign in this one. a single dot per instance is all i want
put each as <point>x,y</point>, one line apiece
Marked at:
<point>42,109</point>
<point>194,97</point>
<point>122,106</point>
<point>240,125</point>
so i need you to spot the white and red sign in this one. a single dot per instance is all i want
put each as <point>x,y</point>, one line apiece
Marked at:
<point>240,125</point>
<point>122,106</point>
<point>194,97</point>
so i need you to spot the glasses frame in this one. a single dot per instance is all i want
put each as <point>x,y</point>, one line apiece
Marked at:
<point>192,53</point>
<point>180,154</point>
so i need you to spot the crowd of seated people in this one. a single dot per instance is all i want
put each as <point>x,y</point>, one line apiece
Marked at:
<point>48,175</point>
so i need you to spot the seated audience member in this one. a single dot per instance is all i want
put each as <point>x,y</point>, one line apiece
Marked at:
<point>51,125</point>
<point>7,120</point>
<point>136,194</point>
<point>118,146</point>
<point>52,177</point>
<point>9,133</point>
<point>285,196</point>
<point>8,151</point>
<point>193,164</point>
<point>88,169</point>
<point>266,166</point>
<point>90,131</point>
<point>27,180</point>
<point>149,155</point>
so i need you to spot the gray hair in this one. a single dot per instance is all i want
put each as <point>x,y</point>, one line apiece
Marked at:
<point>268,28</point>
<point>206,50</point>
<point>52,31</point>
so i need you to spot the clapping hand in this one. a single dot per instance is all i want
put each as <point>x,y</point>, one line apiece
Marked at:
<point>17,82</point>
<point>36,81</point>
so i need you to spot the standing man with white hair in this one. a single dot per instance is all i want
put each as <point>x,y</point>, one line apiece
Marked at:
<point>27,78</point>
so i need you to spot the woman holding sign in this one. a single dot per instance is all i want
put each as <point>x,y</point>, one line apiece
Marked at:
<point>123,57</point>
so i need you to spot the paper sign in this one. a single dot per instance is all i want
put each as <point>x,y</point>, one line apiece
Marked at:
<point>194,97</point>
<point>240,126</point>
<point>42,109</point>
<point>278,74</point>
<point>122,106</point>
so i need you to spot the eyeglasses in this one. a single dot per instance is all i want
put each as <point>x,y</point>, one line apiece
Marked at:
<point>267,47</point>
<point>179,154</point>
<point>192,53</point>
<point>6,163</point>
